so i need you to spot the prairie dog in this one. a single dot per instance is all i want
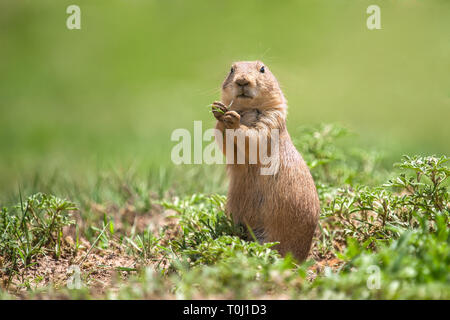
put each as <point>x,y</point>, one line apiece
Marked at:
<point>281,207</point>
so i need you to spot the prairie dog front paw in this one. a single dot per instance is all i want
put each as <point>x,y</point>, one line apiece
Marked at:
<point>219,110</point>
<point>231,119</point>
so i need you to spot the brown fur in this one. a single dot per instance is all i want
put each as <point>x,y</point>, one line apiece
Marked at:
<point>283,207</point>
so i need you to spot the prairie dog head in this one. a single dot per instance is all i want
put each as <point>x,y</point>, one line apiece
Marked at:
<point>250,84</point>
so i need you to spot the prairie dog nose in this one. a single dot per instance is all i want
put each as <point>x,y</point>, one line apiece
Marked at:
<point>242,82</point>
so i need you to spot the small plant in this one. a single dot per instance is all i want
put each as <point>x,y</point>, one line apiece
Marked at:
<point>374,214</point>
<point>33,227</point>
<point>202,219</point>
<point>426,192</point>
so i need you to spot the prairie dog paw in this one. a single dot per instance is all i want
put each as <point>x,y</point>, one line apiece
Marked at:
<point>218,110</point>
<point>231,119</point>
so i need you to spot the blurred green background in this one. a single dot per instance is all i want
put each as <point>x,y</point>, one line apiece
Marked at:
<point>110,94</point>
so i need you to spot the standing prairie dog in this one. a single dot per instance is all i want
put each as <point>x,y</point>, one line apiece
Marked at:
<point>281,207</point>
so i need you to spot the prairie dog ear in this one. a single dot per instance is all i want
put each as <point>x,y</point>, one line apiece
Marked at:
<point>233,67</point>
<point>260,64</point>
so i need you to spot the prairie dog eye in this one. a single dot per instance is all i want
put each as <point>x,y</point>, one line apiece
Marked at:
<point>262,70</point>
<point>231,70</point>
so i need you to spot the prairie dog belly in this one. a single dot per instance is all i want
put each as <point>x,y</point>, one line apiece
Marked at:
<point>253,196</point>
